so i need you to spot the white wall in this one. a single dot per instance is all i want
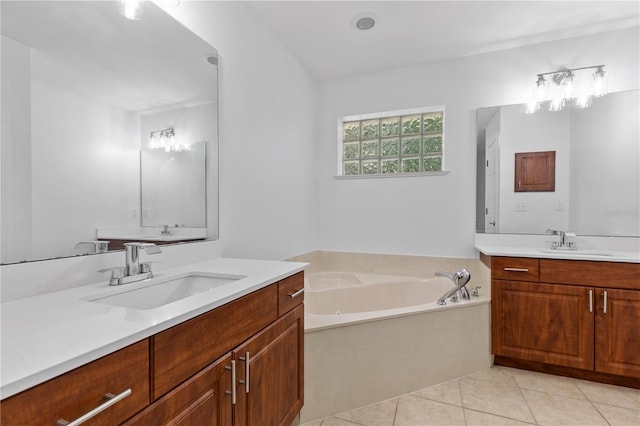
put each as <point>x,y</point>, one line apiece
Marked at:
<point>267,133</point>
<point>436,215</point>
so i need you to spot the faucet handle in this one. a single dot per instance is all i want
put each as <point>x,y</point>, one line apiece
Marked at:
<point>150,248</point>
<point>117,272</point>
<point>145,267</point>
<point>474,290</point>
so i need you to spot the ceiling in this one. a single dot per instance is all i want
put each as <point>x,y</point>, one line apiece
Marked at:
<point>322,36</point>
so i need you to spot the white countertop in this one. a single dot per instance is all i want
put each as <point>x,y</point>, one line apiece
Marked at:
<point>46,335</point>
<point>542,253</point>
<point>600,249</point>
<point>151,234</point>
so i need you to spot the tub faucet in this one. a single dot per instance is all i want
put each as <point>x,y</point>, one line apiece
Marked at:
<point>460,280</point>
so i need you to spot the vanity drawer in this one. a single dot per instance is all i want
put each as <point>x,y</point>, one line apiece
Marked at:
<point>514,269</point>
<point>183,350</point>
<point>290,293</point>
<point>588,272</point>
<point>73,394</point>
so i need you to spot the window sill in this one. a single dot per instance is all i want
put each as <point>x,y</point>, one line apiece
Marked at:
<point>392,175</point>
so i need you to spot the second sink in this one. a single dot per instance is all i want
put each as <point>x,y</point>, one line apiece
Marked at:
<point>168,291</point>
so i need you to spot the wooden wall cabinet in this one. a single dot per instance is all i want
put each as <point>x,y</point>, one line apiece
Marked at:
<point>184,375</point>
<point>535,172</point>
<point>567,313</point>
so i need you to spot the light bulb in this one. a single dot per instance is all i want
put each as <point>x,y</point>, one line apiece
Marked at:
<point>541,89</point>
<point>568,86</point>
<point>130,9</point>
<point>583,101</point>
<point>599,82</point>
<point>556,104</point>
<point>532,106</point>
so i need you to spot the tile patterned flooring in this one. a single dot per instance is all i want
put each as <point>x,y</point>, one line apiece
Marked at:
<point>502,396</point>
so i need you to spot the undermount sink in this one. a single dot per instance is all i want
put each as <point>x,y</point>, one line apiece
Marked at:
<point>578,253</point>
<point>168,291</point>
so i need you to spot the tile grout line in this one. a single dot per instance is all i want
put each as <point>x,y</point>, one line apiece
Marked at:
<point>593,405</point>
<point>501,416</point>
<point>395,413</point>
<point>464,413</point>
<point>525,399</point>
<point>471,409</point>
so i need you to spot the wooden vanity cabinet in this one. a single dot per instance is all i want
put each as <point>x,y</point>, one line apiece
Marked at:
<point>583,315</point>
<point>268,391</point>
<point>183,375</point>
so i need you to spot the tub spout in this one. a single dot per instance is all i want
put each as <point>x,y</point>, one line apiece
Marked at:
<point>460,280</point>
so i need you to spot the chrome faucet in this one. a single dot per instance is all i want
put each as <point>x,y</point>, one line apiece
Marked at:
<point>564,243</point>
<point>460,280</point>
<point>133,270</point>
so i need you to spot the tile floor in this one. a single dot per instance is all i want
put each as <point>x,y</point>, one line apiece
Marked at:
<point>502,396</point>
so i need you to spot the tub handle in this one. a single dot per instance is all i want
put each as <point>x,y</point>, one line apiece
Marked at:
<point>296,293</point>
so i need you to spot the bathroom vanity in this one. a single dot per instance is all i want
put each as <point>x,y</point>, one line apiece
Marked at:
<point>231,359</point>
<point>579,318</point>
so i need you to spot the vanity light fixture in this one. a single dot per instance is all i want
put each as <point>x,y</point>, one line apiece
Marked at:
<point>577,85</point>
<point>166,139</point>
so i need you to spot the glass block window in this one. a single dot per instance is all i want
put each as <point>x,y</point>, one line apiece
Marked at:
<point>401,142</point>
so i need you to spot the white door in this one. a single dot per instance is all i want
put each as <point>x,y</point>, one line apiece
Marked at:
<point>492,189</point>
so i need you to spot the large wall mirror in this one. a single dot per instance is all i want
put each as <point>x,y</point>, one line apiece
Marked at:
<point>108,124</point>
<point>597,168</point>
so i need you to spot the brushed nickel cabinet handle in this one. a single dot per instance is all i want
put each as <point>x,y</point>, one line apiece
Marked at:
<point>233,382</point>
<point>517,269</point>
<point>604,302</point>
<point>296,293</point>
<point>111,400</point>
<point>246,360</point>
<point>590,300</point>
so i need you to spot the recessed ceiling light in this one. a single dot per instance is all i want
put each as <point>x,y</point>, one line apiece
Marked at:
<point>363,22</point>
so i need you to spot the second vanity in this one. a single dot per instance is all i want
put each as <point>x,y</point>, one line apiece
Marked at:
<point>233,353</point>
<point>572,314</point>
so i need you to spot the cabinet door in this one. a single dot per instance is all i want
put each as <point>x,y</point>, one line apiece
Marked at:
<point>270,390</point>
<point>200,401</point>
<point>543,322</point>
<point>618,332</point>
